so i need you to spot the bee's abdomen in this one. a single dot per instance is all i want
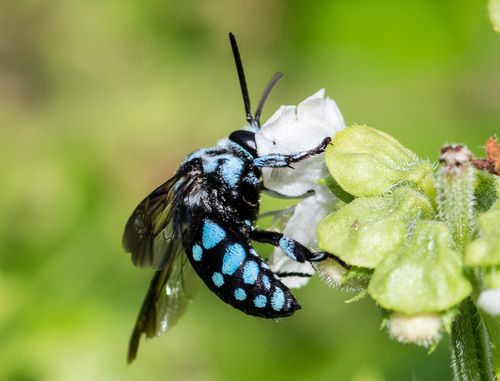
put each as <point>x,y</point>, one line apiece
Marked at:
<point>234,271</point>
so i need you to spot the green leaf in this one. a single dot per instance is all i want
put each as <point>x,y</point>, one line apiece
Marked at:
<point>363,232</point>
<point>471,353</point>
<point>485,250</point>
<point>368,162</point>
<point>492,324</point>
<point>423,275</point>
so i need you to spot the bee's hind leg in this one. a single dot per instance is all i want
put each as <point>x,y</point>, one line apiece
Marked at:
<point>293,249</point>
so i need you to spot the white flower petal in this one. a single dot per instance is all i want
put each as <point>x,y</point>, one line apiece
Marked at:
<point>302,228</point>
<point>280,263</point>
<point>294,129</point>
<point>489,300</point>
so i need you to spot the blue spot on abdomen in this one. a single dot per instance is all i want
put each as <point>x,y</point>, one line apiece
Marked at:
<point>266,282</point>
<point>218,279</point>
<point>260,301</point>
<point>197,252</point>
<point>233,257</point>
<point>250,272</point>
<point>212,234</point>
<point>278,299</point>
<point>240,294</point>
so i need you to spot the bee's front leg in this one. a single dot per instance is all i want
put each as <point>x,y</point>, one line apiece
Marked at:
<point>278,160</point>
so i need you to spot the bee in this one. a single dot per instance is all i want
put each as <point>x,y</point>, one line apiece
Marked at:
<point>203,219</point>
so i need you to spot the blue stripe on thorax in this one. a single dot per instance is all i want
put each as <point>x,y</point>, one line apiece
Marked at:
<point>210,163</point>
<point>231,170</point>
<point>231,166</point>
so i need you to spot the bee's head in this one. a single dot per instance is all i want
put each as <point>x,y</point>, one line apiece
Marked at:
<point>245,139</point>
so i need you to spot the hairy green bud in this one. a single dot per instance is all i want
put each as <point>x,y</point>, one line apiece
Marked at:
<point>424,275</point>
<point>368,162</point>
<point>363,232</point>
<point>353,279</point>
<point>484,251</point>
<point>420,329</point>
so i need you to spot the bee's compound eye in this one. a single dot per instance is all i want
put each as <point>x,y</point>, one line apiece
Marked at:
<point>245,139</point>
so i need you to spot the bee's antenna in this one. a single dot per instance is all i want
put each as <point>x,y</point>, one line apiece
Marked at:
<point>241,77</point>
<point>265,94</point>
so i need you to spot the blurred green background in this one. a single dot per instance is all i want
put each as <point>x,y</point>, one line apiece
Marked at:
<point>100,101</point>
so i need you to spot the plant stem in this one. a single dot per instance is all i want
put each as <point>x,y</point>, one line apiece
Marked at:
<point>471,357</point>
<point>470,346</point>
<point>456,202</point>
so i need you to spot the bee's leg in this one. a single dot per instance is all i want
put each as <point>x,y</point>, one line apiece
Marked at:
<point>289,274</point>
<point>277,160</point>
<point>293,249</point>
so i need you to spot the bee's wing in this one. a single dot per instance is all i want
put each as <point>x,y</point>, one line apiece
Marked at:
<point>166,300</point>
<point>153,237</point>
<point>151,234</point>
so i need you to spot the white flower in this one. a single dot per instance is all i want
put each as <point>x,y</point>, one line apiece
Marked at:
<point>489,300</point>
<point>302,228</point>
<point>294,129</point>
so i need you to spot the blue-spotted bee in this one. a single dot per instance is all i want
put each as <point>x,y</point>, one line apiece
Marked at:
<point>203,219</point>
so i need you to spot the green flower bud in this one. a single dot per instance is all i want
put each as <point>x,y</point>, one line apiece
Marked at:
<point>335,275</point>
<point>363,232</point>
<point>368,162</point>
<point>331,272</point>
<point>484,251</point>
<point>485,191</point>
<point>425,275</point>
<point>421,329</point>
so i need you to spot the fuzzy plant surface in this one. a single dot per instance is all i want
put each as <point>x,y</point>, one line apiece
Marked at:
<point>420,239</point>
<point>430,235</point>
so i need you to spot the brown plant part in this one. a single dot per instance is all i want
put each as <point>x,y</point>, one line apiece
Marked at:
<point>455,155</point>
<point>492,161</point>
